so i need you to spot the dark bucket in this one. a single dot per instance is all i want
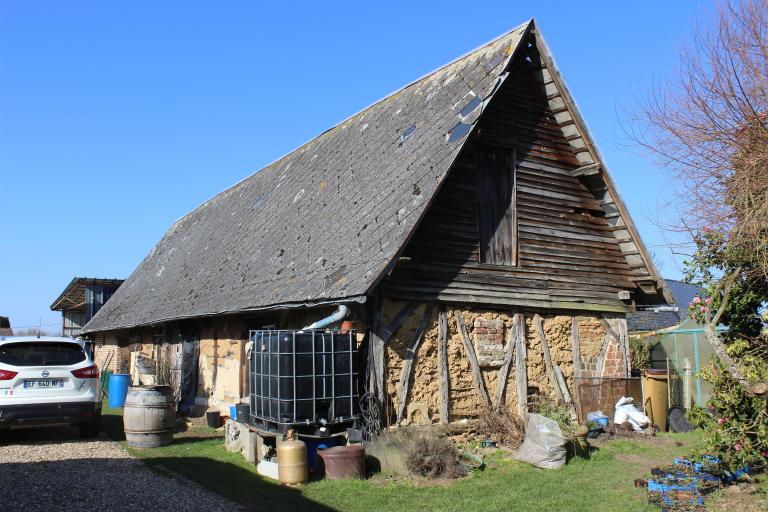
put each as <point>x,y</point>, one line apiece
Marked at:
<point>243,413</point>
<point>213,418</point>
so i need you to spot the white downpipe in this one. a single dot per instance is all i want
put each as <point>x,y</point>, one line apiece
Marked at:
<point>337,316</point>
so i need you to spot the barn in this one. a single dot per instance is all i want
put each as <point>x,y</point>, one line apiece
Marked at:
<point>466,223</point>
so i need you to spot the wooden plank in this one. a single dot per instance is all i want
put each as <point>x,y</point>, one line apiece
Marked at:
<point>386,332</point>
<point>537,322</point>
<point>466,297</point>
<point>601,357</point>
<point>410,356</point>
<point>587,170</point>
<point>477,375</point>
<point>563,386</point>
<point>442,356</point>
<point>509,354</point>
<point>521,367</point>
<point>609,328</point>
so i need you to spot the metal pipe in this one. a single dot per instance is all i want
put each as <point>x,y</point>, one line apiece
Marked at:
<point>337,316</point>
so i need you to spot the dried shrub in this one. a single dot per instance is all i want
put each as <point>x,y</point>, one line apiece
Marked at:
<point>503,426</point>
<point>428,454</point>
<point>557,411</point>
<point>640,348</point>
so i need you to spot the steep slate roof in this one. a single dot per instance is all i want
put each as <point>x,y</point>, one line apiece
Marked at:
<point>323,223</point>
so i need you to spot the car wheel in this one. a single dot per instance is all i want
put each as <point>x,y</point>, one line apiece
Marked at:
<point>91,429</point>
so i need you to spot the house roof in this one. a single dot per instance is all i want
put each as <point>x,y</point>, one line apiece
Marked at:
<point>73,296</point>
<point>324,223</point>
<point>652,318</point>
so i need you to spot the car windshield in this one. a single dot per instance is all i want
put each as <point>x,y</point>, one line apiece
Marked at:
<point>42,353</point>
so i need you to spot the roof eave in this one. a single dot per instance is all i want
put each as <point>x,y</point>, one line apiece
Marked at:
<point>359,299</point>
<point>597,156</point>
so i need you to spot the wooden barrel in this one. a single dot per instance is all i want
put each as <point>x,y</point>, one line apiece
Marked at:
<point>149,416</point>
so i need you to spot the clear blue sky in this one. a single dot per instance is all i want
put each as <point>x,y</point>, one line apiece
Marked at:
<point>117,118</point>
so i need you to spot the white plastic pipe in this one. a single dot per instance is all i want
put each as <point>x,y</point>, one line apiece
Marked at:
<point>337,316</point>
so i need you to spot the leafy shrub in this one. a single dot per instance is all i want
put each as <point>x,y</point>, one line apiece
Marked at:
<point>736,423</point>
<point>557,411</point>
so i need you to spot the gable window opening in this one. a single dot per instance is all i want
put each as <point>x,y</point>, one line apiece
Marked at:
<point>496,189</point>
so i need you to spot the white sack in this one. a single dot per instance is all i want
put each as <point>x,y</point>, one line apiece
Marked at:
<point>544,444</point>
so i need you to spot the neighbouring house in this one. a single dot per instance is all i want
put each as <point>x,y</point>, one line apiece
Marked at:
<point>468,222</point>
<point>5,326</point>
<point>678,342</point>
<point>79,302</point>
<point>662,316</point>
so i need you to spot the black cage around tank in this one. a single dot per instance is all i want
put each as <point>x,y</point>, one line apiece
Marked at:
<point>303,378</point>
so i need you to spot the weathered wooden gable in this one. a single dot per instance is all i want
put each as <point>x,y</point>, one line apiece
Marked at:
<point>565,253</point>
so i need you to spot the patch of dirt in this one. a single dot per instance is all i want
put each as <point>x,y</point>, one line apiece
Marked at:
<point>645,462</point>
<point>746,497</point>
<point>197,428</point>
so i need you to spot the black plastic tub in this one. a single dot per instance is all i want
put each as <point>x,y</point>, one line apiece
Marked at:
<point>303,379</point>
<point>213,418</point>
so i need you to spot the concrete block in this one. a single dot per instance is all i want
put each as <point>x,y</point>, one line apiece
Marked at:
<point>251,447</point>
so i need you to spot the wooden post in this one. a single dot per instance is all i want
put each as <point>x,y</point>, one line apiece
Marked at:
<point>243,370</point>
<point>521,366</point>
<point>442,361</point>
<point>575,347</point>
<point>576,357</point>
<point>410,355</point>
<point>624,342</point>
<point>378,337</point>
<point>376,356</point>
<point>472,357</point>
<point>547,358</point>
<point>509,354</point>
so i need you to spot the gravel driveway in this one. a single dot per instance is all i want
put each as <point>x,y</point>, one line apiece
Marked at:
<point>55,471</point>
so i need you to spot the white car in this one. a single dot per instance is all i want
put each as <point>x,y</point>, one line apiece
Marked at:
<point>48,381</point>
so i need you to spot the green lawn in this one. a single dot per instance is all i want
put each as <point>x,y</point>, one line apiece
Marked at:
<point>605,482</point>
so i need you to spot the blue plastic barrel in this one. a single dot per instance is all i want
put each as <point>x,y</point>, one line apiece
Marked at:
<point>118,389</point>
<point>318,443</point>
<point>233,412</point>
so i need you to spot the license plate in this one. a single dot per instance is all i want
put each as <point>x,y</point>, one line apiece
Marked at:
<point>43,383</point>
